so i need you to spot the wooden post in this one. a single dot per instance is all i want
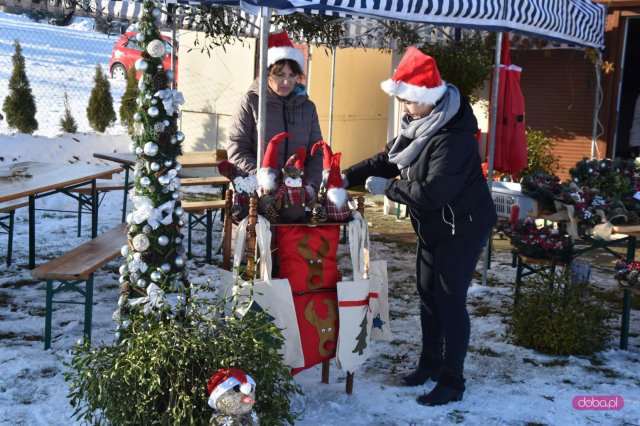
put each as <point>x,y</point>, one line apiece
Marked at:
<point>251,237</point>
<point>349,383</point>
<point>360,207</point>
<point>227,229</point>
<point>325,372</point>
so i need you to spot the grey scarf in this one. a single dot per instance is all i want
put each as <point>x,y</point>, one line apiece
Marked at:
<point>415,135</point>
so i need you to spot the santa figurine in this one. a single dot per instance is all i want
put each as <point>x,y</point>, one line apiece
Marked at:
<point>332,195</point>
<point>291,196</point>
<point>244,186</point>
<point>268,177</point>
<point>232,395</point>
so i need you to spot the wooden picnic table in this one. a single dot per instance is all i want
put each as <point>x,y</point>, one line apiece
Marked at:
<point>37,180</point>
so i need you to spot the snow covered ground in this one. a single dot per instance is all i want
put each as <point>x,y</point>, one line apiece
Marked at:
<point>506,384</point>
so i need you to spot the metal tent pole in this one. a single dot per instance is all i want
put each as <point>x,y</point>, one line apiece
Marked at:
<point>596,108</point>
<point>265,14</point>
<point>492,140</point>
<point>333,80</point>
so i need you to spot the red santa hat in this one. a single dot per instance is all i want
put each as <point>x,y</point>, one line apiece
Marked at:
<point>326,153</point>
<point>416,79</point>
<point>280,47</point>
<point>225,379</point>
<point>297,159</point>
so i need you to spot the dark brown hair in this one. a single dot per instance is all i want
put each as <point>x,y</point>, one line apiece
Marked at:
<point>277,66</point>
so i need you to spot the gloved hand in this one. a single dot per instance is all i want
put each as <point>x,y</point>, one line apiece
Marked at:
<point>375,185</point>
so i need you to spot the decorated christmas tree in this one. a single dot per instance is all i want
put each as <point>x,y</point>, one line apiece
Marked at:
<point>154,256</point>
<point>20,106</point>
<point>100,110</point>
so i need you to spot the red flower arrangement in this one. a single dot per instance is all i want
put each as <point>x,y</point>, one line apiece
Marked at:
<point>628,274</point>
<point>541,243</point>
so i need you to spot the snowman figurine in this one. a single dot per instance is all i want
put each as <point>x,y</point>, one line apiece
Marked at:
<point>232,395</point>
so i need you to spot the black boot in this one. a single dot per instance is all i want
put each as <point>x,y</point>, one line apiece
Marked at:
<point>449,388</point>
<point>428,368</point>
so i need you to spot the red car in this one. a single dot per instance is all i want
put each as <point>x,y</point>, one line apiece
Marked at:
<point>127,51</point>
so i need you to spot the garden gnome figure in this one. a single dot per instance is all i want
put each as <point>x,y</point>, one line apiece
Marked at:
<point>332,195</point>
<point>269,178</point>
<point>291,197</point>
<point>232,395</point>
<point>244,186</point>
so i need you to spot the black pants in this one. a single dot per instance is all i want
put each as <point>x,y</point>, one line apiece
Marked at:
<point>444,272</point>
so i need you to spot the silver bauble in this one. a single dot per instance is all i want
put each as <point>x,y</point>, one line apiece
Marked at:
<point>137,173</point>
<point>179,136</point>
<point>140,242</point>
<point>165,267</point>
<point>154,102</point>
<point>148,96</point>
<point>178,211</point>
<point>168,163</point>
<point>180,222</point>
<point>159,126</point>
<point>173,140</point>
<point>163,240</point>
<point>145,181</point>
<point>138,150</point>
<point>134,277</point>
<point>155,12</point>
<point>142,85</point>
<point>151,149</point>
<point>166,123</point>
<point>122,280</point>
<point>155,276</point>
<point>156,48</point>
<point>175,195</point>
<point>141,283</point>
<point>137,116</point>
<point>178,167</point>
<point>123,269</point>
<point>141,65</point>
<point>178,240</point>
<point>125,250</point>
<point>179,262</point>
<point>155,167</point>
<point>137,256</point>
<point>153,111</point>
<point>140,37</point>
<point>147,229</point>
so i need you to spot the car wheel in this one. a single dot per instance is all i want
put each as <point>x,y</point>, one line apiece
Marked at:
<point>118,72</point>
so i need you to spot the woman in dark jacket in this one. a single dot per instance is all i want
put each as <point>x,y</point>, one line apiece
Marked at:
<point>452,212</point>
<point>289,109</point>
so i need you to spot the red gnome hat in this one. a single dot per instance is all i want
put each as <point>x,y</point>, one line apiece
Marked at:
<point>225,379</point>
<point>336,193</point>
<point>268,173</point>
<point>326,159</point>
<point>416,79</point>
<point>280,47</point>
<point>297,160</point>
<point>335,179</point>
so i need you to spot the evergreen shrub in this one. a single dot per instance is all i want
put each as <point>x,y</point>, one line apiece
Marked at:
<point>67,122</point>
<point>559,319</point>
<point>20,105</point>
<point>128,105</point>
<point>100,110</point>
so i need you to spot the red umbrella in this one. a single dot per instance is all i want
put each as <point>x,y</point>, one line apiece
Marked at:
<point>510,155</point>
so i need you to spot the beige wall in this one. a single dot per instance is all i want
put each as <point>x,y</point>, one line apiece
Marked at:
<point>360,107</point>
<point>212,85</point>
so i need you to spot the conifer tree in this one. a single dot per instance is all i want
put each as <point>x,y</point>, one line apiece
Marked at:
<point>128,104</point>
<point>100,110</point>
<point>20,105</point>
<point>67,122</point>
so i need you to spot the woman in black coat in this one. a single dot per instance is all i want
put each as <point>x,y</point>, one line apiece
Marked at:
<point>440,179</point>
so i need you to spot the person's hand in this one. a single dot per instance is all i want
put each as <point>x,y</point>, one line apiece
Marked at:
<point>375,185</point>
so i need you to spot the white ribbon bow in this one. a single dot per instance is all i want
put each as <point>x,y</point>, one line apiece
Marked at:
<point>144,211</point>
<point>171,99</point>
<point>155,299</point>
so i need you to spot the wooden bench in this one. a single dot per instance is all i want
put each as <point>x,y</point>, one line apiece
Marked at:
<point>76,267</point>
<point>7,213</point>
<point>202,212</point>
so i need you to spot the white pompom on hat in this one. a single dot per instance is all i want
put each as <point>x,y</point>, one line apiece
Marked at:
<point>280,47</point>
<point>416,79</point>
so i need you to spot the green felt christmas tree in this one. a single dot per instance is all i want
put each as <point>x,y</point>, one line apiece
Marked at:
<point>100,110</point>
<point>128,105</point>
<point>361,337</point>
<point>20,105</point>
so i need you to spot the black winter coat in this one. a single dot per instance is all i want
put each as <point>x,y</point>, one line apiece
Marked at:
<point>444,188</point>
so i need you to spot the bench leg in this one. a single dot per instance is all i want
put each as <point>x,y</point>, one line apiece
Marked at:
<point>10,235</point>
<point>126,194</point>
<point>626,313</point>
<point>209,235</point>
<point>519,268</point>
<point>47,317</point>
<point>80,202</point>
<point>189,225</point>
<point>88,308</point>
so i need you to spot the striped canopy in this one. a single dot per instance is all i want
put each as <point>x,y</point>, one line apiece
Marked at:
<point>580,22</point>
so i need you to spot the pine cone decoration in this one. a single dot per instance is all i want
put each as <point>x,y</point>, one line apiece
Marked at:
<point>160,81</point>
<point>319,214</point>
<point>633,218</point>
<point>164,138</point>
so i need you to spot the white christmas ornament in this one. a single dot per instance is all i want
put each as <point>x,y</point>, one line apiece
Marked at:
<point>123,269</point>
<point>180,136</point>
<point>145,181</point>
<point>178,240</point>
<point>124,251</point>
<point>168,163</point>
<point>156,12</point>
<point>141,65</point>
<point>141,283</point>
<point>163,240</point>
<point>137,116</point>
<point>179,211</point>
<point>142,85</point>
<point>171,99</point>
<point>155,276</point>
<point>155,167</point>
<point>165,267</point>
<point>141,242</point>
<point>156,49</point>
<point>151,149</point>
<point>178,166</point>
<point>138,150</point>
<point>173,140</point>
<point>154,101</point>
<point>179,262</point>
<point>175,195</point>
<point>153,111</point>
<point>140,37</point>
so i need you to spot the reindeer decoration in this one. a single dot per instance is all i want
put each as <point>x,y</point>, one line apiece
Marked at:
<point>327,330</point>
<point>315,260</point>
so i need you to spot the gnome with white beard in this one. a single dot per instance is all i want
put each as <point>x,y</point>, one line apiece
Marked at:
<point>269,179</point>
<point>332,195</point>
<point>292,196</point>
